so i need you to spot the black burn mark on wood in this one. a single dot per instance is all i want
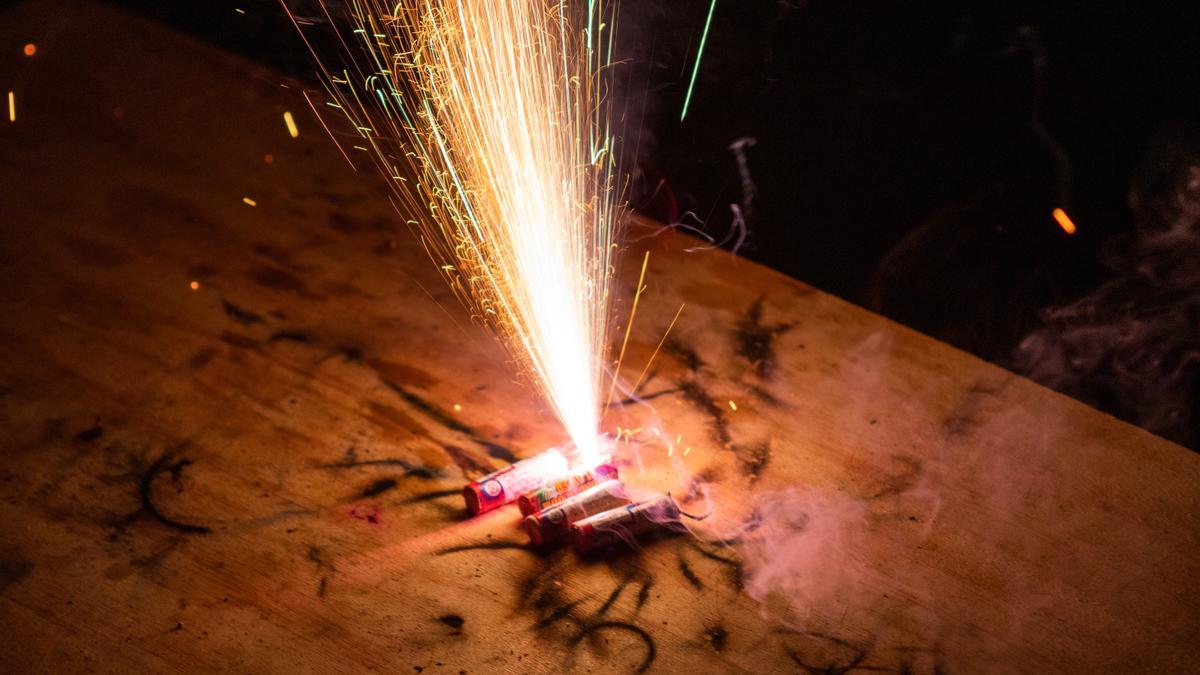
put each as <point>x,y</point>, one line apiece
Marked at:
<point>89,435</point>
<point>466,461</point>
<point>289,336</point>
<point>755,339</point>
<point>651,650</point>
<point>688,573</point>
<point>201,358</point>
<point>345,223</point>
<point>903,474</point>
<point>700,399</point>
<point>351,353</point>
<point>686,354</point>
<point>716,636</point>
<point>13,571</point>
<point>644,593</point>
<point>377,488</point>
<point>558,614</point>
<point>732,565</point>
<point>765,396</point>
<point>612,598</point>
<point>277,256</point>
<point>409,468</point>
<point>487,546</point>
<point>752,458</point>
<point>454,621</point>
<point>242,316</point>
<point>448,421</point>
<point>855,656</point>
<point>238,340</point>
<point>324,567</point>
<point>280,280</point>
<point>146,492</point>
<point>964,417</point>
<point>642,398</point>
<point>430,496</point>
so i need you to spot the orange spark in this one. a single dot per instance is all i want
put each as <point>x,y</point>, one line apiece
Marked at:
<point>291,124</point>
<point>195,285</point>
<point>732,405</point>
<point>30,49</point>
<point>269,158</point>
<point>249,202</point>
<point>1064,221</point>
<point>12,106</point>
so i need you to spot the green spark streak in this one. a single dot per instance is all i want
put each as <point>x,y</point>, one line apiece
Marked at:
<point>699,53</point>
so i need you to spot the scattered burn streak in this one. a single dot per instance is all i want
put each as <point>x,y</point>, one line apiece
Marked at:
<point>641,398</point>
<point>688,573</point>
<point>755,339</point>
<point>906,471</point>
<point>146,492</point>
<point>853,656</point>
<point>448,421</point>
<point>651,650</point>
<point>488,546</point>
<point>685,353</point>
<point>466,461</point>
<point>644,593</point>
<point>703,401</point>
<point>753,458</point>
<point>289,336</point>
<point>351,461</point>
<point>324,567</point>
<point>733,565</point>
<point>454,621</point>
<point>377,488</point>
<point>242,316</point>
<point>90,434</point>
<point>430,496</point>
<point>716,636</point>
<point>612,598</point>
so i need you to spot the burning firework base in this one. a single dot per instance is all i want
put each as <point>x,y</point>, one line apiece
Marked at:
<point>589,507</point>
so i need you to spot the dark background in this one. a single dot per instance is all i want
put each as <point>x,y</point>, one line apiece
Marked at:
<point>908,155</point>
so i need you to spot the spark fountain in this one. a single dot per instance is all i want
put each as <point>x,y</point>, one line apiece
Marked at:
<point>491,121</point>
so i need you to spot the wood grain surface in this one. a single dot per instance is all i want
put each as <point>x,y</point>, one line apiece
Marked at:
<point>261,474</point>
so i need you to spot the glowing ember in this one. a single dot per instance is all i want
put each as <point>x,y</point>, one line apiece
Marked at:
<point>30,49</point>
<point>12,106</point>
<point>195,285</point>
<point>290,122</point>
<point>1064,221</point>
<point>499,114</point>
<point>249,202</point>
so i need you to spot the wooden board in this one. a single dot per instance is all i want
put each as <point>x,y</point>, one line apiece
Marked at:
<point>260,475</point>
